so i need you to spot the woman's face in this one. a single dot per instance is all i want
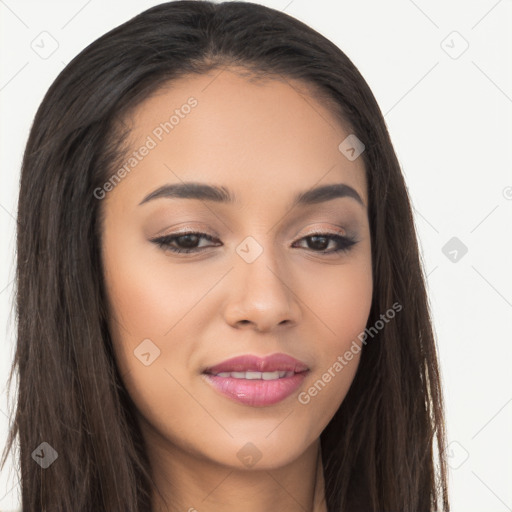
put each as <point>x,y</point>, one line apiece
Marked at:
<point>257,281</point>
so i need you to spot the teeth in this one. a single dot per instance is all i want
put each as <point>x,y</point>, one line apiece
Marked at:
<point>256,375</point>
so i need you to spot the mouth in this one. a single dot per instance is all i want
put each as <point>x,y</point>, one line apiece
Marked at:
<point>251,375</point>
<point>256,381</point>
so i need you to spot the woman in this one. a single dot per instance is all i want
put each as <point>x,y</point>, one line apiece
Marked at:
<point>220,299</point>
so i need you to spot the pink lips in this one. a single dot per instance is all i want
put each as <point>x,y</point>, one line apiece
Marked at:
<point>257,392</point>
<point>247,363</point>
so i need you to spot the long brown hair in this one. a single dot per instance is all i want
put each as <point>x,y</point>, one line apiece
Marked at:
<point>384,448</point>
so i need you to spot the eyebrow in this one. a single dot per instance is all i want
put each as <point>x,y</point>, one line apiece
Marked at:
<point>204,192</point>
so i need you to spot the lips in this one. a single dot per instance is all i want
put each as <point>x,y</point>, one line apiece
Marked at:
<point>256,381</point>
<point>250,363</point>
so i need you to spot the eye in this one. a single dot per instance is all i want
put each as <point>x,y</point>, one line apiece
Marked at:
<point>319,242</point>
<point>188,242</point>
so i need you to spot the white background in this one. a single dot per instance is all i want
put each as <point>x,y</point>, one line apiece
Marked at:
<point>450,122</point>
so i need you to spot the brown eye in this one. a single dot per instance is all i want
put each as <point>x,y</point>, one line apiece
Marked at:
<point>319,242</point>
<point>185,242</point>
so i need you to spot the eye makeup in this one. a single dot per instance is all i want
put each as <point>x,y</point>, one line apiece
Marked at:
<point>189,242</point>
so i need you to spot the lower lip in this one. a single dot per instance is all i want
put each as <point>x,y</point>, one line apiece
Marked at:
<point>256,392</point>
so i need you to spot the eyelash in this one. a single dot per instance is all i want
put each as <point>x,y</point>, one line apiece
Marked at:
<point>164,242</point>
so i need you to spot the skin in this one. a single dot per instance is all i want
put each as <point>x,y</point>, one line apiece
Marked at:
<point>265,141</point>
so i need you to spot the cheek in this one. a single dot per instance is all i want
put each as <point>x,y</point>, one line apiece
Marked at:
<point>341,301</point>
<point>151,309</point>
<point>340,298</point>
<point>149,295</point>
<point>343,305</point>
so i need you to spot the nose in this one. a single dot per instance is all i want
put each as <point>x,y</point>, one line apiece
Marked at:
<point>261,295</point>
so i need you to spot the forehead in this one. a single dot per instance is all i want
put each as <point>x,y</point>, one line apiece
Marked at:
<point>257,137</point>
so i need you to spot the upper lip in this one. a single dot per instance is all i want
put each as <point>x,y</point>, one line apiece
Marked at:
<point>248,363</point>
